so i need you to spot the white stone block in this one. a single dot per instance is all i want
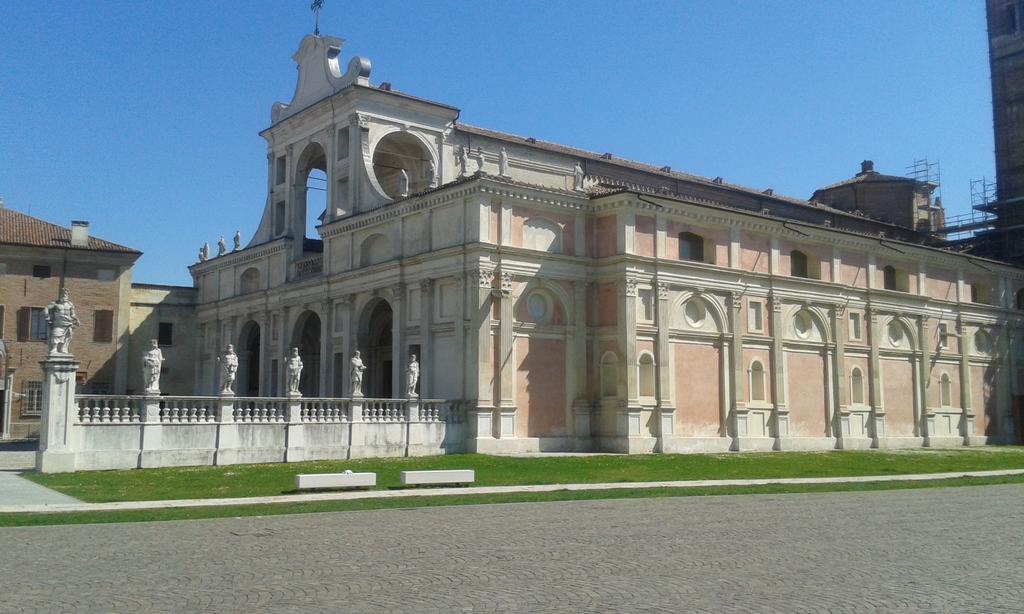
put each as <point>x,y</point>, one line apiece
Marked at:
<point>305,481</point>
<point>446,476</point>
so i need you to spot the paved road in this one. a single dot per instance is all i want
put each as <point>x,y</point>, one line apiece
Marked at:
<point>949,550</point>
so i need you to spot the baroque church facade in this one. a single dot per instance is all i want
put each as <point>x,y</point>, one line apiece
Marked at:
<point>567,300</point>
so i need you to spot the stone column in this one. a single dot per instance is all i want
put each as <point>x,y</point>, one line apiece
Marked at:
<point>664,382</point>
<point>506,366</point>
<point>326,346</point>
<point>730,427</point>
<point>349,344</point>
<point>875,379</point>
<point>628,420</point>
<point>965,371</point>
<point>264,373</point>
<point>56,452</point>
<point>779,405</point>
<point>426,338</point>
<point>480,358</point>
<point>841,400</point>
<point>923,418</point>
<point>399,349</point>
<point>578,351</point>
<point>461,381</point>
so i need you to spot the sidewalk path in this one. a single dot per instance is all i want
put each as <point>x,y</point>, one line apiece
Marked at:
<point>72,505</point>
<point>16,491</point>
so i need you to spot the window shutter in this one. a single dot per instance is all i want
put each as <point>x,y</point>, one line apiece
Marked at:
<point>103,329</point>
<point>24,315</point>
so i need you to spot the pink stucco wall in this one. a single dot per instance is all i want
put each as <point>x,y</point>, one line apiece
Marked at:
<point>807,401</point>
<point>494,229</point>
<point>604,236</point>
<point>933,391</point>
<point>643,236</point>
<point>941,284</point>
<point>697,390</point>
<point>540,387</point>
<point>754,254</point>
<point>983,400</point>
<point>607,304</point>
<point>898,383</point>
<point>854,270</point>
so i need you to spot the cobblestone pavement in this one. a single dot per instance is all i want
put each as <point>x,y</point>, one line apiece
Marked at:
<point>934,550</point>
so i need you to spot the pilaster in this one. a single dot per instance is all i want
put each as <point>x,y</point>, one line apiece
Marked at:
<point>506,366</point>
<point>426,338</point>
<point>875,376</point>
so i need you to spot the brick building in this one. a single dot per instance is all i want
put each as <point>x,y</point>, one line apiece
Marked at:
<point>36,259</point>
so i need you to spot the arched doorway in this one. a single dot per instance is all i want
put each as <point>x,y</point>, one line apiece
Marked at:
<point>249,360</point>
<point>307,339</point>
<point>376,328</point>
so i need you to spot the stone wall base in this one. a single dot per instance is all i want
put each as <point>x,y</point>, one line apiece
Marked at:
<point>809,444</point>
<point>855,443</point>
<point>685,445</point>
<point>945,442</point>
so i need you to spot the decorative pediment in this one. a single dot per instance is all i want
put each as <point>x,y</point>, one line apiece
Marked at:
<point>320,75</point>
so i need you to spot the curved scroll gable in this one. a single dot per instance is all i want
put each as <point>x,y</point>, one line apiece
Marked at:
<point>320,74</point>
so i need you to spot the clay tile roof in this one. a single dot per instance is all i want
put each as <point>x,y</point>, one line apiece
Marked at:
<point>19,229</point>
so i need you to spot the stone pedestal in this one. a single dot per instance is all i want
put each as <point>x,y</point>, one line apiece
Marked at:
<point>56,437</point>
<point>295,433</point>
<point>151,431</point>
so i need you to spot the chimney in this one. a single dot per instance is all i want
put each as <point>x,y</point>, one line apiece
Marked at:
<point>79,233</point>
<point>867,166</point>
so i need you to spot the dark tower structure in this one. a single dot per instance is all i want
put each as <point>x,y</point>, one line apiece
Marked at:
<point>1006,60</point>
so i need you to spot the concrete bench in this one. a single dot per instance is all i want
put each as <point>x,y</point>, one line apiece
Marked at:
<point>306,481</point>
<point>444,476</point>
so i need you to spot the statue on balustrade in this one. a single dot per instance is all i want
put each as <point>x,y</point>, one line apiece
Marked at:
<point>152,361</point>
<point>62,320</point>
<point>503,163</point>
<point>293,367</point>
<point>228,370</point>
<point>237,241</point>
<point>413,375</point>
<point>222,246</point>
<point>403,183</point>
<point>357,374</point>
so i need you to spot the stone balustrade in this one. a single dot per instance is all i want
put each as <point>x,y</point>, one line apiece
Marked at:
<point>120,432</point>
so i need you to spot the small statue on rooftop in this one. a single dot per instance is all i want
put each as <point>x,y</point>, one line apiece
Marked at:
<point>222,246</point>
<point>577,176</point>
<point>503,163</point>
<point>237,241</point>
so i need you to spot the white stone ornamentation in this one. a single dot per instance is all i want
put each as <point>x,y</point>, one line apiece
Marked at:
<point>293,368</point>
<point>222,246</point>
<point>357,374</point>
<point>152,361</point>
<point>228,370</point>
<point>503,163</point>
<point>62,320</point>
<point>463,161</point>
<point>480,159</point>
<point>403,183</point>
<point>237,241</point>
<point>413,374</point>
<point>577,176</point>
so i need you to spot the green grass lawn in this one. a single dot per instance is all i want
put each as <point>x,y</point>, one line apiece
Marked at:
<point>277,479</point>
<point>235,511</point>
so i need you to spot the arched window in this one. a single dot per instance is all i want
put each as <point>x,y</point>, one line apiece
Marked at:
<point>798,264</point>
<point>646,375</point>
<point>609,375</point>
<point>945,398</point>
<point>757,381</point>
<point>543,235</point>
<point>980,293</point>
<point>691,247</point>
<point>894,279</point>
<point>249,281</point>
<point>857,386</point>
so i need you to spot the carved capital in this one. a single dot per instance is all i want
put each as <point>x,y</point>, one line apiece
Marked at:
<point>662,292</point>
<point>460,281</point>
<point>774,303</point>
<point>398,291</point>
<point>426,285</point>
<point>506,283</point>
<point>484,278</point>
<point>630,285</point>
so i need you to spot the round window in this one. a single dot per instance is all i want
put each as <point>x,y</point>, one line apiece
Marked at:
<point>695,312</point>
<point>537,307</point>
<point>802,325</point>
<point>895,333</point>
<point>983,342</point>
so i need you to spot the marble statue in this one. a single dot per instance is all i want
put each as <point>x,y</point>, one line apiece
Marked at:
<point>152,361</point>
<point>464,161</point>
<point>228,369</point>
<point>237,241</point>
<point>204,252</point>
<point>62,320</point>
<point>222,246</point>
<point>480,159</point>
<point>503,163</point>
<point>413,374</point>
<point>293,367</point>
<point>403,183</point>
<point>577,177</point>
<point>430,174</point>
<point>357,374</point>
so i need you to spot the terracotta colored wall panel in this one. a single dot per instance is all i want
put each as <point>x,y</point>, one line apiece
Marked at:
<point>540,387</point>
<point>697,389</point>
<point>898,383</point>
<point>806,374</point>
<point>644,236</point>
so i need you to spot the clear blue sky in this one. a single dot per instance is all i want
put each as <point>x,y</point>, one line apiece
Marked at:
<point>142,117</point>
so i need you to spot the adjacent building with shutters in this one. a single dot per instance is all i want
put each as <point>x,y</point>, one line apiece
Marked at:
<point>36,259</point>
